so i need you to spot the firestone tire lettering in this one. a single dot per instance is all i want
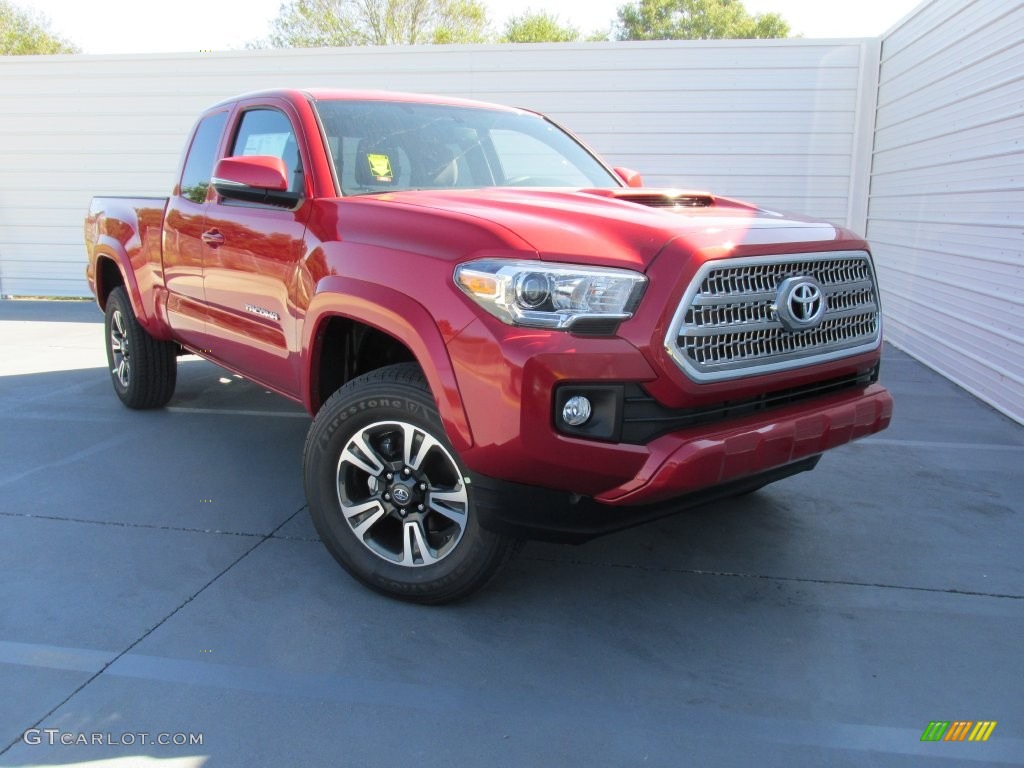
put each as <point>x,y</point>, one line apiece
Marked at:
<point>388,496</point>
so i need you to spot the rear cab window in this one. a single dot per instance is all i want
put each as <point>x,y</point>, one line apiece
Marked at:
<point>198,170</point>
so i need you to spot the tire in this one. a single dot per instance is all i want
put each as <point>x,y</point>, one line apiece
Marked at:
<point>143,370</point>
<point>390,498</point>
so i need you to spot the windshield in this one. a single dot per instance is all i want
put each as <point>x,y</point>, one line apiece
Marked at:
<point>382,146</point>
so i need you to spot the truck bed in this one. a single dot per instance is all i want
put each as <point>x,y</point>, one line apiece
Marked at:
<point>130,227</point>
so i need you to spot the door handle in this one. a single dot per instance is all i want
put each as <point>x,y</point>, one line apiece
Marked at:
<point>213,238</point>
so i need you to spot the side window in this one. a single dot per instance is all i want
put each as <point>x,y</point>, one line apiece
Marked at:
<point>195,179</point>
<point>269,132</point>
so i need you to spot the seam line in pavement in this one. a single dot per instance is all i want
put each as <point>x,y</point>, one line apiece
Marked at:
<point>155,527</point>
<point>155,627</point>
<point>236,412</point>
<point>684,571</point>
<point>765,577</point>
<point>50,393</point>
<point>563,710</point>
<point>940,444</point>
<point>123,524</point>
<point>93,449</point>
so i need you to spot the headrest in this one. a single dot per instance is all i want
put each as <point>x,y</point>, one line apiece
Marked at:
<point>435,166</point>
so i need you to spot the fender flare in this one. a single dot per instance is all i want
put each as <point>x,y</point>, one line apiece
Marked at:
<point>399,316</point>
<point>110,249</point>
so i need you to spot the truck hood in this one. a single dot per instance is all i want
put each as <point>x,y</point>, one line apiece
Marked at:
<point>622,227</point>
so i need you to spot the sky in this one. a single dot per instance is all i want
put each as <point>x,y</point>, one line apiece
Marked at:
<point>145,26</point>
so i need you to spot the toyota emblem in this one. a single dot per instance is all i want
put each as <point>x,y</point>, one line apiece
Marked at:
<point>800,303</point>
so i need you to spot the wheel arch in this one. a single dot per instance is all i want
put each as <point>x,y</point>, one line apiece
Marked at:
<point>392,318</point>
<point>113,269</point>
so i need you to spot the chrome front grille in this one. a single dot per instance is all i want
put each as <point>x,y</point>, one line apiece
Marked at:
<point>733,320</point>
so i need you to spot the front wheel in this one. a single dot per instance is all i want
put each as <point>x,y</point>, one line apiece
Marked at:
<point>388,495</point>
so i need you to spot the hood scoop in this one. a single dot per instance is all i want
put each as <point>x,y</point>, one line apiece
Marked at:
<point>666,199</point>
<point>669,200</point>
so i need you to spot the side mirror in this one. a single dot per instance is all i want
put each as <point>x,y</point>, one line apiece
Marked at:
<point>632,178</point>
<point>254,179</point>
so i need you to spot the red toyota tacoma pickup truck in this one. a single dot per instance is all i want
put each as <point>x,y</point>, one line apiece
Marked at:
<point>497,335</point>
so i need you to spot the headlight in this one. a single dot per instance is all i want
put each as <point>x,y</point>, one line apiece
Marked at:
<point>543,295</point>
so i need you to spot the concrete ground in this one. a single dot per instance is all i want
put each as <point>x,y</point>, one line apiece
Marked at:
<point>159,575</point>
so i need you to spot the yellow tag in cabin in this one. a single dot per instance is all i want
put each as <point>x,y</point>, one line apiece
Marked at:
<point>380,167</point>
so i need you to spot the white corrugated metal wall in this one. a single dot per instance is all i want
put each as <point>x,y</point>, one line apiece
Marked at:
<point>787,123</point>
<point>946,211</point>
<point>783,122</point>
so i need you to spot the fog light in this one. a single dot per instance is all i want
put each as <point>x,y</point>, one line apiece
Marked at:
<point>576,411</point>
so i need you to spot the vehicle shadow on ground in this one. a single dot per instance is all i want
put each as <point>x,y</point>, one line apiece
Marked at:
<point>72,450</point>
<point>174,545</point>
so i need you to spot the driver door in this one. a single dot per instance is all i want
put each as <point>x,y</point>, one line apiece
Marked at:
<point>252,254</point>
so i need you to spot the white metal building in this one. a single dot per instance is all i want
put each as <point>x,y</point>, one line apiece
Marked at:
<point>775,121</point>
<point>934,176</point>
<point>946,212</point>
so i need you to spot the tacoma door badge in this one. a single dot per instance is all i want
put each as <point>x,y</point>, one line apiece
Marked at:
<point>262,312</point>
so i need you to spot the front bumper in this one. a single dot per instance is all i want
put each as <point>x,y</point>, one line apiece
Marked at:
<point>529,512</point>
<point>508,379</point>
<point>678,464</point>
<point>690,467</point>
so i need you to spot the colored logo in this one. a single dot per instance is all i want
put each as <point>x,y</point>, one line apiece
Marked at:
<point>958,730</point>
<point>380,167</point>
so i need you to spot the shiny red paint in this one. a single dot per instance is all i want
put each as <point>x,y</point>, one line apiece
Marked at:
<point>252,288</point>
<point>258,171</point>
<point>630,177</point>
<point>697,458</point>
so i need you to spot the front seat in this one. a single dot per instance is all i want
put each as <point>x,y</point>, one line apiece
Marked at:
<point>436,166</point>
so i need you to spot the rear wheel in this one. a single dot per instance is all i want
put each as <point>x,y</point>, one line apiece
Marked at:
<point>388,495</point>
<point>143,370</point>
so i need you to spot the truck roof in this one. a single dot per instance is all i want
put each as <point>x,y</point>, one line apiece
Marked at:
<point>339,94</point>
